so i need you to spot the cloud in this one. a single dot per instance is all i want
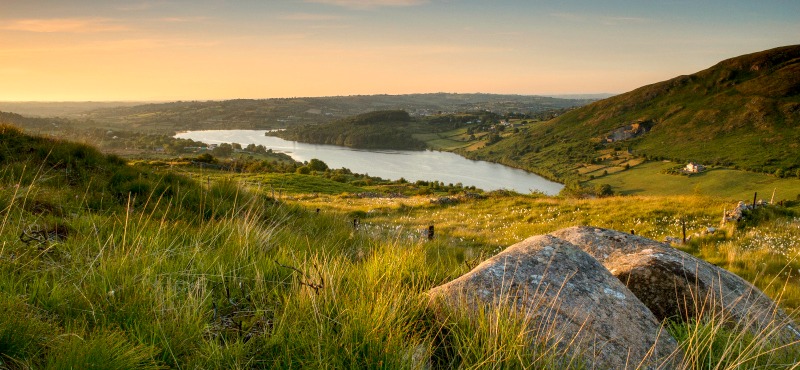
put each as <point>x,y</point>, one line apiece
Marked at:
<point>64,25</point>
<point>600,19</point>
<point>443,49</point>
<point>184,19</point>
<point>309,17</point>
<point>572,17</point>
<point>615,21</point>
<point>131,6</point>
<point>369,4</point>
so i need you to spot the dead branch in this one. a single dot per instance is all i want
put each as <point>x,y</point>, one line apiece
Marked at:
<point>306,279</point>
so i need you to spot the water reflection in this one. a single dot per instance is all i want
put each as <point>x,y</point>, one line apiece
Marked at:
<point>392,164</point>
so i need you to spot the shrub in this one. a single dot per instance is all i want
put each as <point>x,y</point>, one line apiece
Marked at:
<point>205,158</point>
<point>317,165</point>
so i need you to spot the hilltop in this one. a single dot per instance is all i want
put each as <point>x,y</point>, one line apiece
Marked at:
<point>743,112</point>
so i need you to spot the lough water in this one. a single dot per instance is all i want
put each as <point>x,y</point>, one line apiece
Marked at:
<point>392,164</point>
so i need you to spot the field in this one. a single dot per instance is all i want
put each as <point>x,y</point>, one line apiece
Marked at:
<point>648,178</point>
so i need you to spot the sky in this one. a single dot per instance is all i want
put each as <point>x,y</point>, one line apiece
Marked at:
<point>109,50</point>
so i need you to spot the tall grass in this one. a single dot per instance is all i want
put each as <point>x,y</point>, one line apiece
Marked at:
<point>162,271</point>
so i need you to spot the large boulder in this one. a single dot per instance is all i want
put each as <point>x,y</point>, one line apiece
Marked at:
<point>557,286</point>
<point>674,284</point>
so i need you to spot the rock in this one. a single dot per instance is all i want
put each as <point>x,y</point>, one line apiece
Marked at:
<point>569,299</point>
<point>675,284</point>
<point>445,200</point>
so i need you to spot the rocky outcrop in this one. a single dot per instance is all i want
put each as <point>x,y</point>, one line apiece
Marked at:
<point>672,283</point>
<point>568,299</point>
<point>630,131</point>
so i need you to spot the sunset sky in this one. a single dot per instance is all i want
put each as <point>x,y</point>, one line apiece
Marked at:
<point>215,49</point>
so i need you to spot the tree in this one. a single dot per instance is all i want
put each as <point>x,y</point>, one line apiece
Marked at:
<point>603,190</point>
<point>317,165</point>
<point>223,150</point>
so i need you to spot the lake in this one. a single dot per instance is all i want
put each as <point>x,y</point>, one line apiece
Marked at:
<point>392,164</point>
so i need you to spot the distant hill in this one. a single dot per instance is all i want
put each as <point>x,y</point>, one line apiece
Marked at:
<point>60,109</point>
<point>743,112</point>
<point>282,113</point>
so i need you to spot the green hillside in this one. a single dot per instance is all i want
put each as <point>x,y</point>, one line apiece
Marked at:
<point>743,112</point>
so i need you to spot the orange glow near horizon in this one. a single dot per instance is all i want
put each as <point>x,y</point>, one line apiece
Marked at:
<point>346,47</point>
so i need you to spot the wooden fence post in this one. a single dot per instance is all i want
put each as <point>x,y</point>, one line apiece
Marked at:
<point>683,228</point>
<point>430,232</point>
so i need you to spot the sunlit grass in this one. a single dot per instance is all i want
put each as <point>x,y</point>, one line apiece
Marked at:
<point>212,272</point>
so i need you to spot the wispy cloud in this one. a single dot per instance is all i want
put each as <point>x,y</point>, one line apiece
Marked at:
<point>600,19</point>
<point>184,19</point>
<point>309,17</point>
<point>369,4</point>
<point>64,25</point>
<point>615,21</point>
<point>134,6</point>
<point>132,44</point>
<point>572,17</point>
<point>443,49</point>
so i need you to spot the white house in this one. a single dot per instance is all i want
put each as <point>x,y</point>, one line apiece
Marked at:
<point>692,167</point>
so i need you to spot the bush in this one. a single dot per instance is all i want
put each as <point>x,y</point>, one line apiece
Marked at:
<point>317,165</point>
<point>205,158</point>
<point>303,170</point>
<point>603,190</point>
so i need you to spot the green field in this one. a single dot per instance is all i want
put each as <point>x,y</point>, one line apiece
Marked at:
<point>647,178</point>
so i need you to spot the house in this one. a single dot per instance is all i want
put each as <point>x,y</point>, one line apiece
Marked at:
<point>692,167</point>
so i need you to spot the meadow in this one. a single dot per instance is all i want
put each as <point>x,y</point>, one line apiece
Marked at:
<point>108,265</point>
<point>649,178</point>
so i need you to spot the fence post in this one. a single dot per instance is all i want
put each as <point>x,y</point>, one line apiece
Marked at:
<point>683,228</point>
<point>754,199</point>
<point>430,232</point>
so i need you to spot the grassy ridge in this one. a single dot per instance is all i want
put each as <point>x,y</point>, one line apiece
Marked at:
<point>741,112</point>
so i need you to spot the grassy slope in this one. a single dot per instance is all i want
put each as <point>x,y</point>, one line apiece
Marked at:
<point>743,111</point>
<point>202,275</point>
<point>720,182</point>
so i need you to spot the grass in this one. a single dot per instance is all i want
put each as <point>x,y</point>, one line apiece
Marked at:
<point>647,178</point>
<point>163,270</point>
